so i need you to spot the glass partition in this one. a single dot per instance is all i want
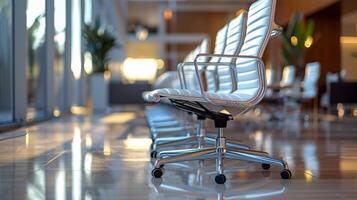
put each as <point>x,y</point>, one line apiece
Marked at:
<point>59,61</point>
<point>36,71</point>
<point>6,67</point>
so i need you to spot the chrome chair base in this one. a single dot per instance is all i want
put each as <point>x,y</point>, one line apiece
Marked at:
<point>199,141</point>
<point>219,152</point>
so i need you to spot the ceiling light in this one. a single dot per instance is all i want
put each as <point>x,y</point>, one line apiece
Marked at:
<point>309,41</point>
<point>294,40</point>
<point>168,14</point>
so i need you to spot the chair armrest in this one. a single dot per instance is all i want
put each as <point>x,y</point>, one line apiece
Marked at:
<point>277,30</point>
<point>261,70</point>
<point>181,70</point>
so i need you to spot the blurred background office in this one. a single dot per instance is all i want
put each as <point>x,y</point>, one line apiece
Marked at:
<point>90,58</point>
<point>48,59</point>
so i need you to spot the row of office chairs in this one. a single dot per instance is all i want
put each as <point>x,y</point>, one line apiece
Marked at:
<point>235,78</point>
<point>308,86</point>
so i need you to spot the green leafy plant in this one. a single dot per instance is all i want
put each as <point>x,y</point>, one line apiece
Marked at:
<point>296,39</point>
<point>99,42</point>
<point>31,38</point>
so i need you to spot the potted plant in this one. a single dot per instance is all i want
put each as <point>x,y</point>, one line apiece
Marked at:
<point>296,39</point>
<point>99,42</point>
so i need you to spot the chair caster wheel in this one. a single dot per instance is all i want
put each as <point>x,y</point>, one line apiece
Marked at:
<point>220,179</point>
<point>285,174</point>
<point>153,154</point>
<point>157,172</point>
<point>265,166</point>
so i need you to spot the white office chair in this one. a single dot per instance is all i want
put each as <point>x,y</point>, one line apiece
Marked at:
<point>169,79</point>
<point>308,90</point>
<point>311,78</point>
<point>325,98</point>
<point>288,76</point>
<point>248,87</point>
<point>232,45</point>
<point>161,120</point>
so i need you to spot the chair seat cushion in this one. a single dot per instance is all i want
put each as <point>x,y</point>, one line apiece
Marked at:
<point>230,99</point>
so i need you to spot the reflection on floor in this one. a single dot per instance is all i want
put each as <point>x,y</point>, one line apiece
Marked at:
<point>107,157</point>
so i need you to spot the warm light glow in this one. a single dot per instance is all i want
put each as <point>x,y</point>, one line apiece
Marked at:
<point>141,33</point>
<point>257,112</point>
<point>268,75</point>
<point>340,110</point>
<point>78,110</point>
<point>308,175</point>
<point>118,118</point>
<point>168,14</point>
<point>240,11</point>
<point>294,40</point>
<point>258,138</point>
<point>348,40</point>
<point>140,69</point>
<point>160,63</point>
<point>107,75</point>
<point>88,66</point>
<point>89,141</point>
<point>354,112</point>
<point>27,139</point>
<point>137,143</point>
<point>56,112</point>
<point>348,163</point>
<point>106,148</point>
<point>309,41</point>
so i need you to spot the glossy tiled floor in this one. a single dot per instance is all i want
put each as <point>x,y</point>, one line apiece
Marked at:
<point>106,157</point>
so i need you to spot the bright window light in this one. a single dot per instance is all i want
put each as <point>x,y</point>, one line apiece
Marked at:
<point>88,66</point>
<point>140,69</point>
<point>76,62</point>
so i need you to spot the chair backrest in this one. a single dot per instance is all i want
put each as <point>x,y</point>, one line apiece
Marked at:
<point>288,76</point>
<point>169,79</point>
<point>220,43</point>
<point>234,41</point>
<point>251,80</point>
<point>191,80</point>
<point>312,75</point>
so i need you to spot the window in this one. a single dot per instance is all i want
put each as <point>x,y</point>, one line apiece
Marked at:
<point>59,61</point>
<point>6,67</point>
<point>36,71</point>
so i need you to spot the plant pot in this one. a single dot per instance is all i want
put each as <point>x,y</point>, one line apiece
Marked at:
<point>99,92</point>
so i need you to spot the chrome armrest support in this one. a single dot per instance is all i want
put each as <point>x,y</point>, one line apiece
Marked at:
<point>261,70</point>
<point>181,70</point>
<point>277,30</point>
